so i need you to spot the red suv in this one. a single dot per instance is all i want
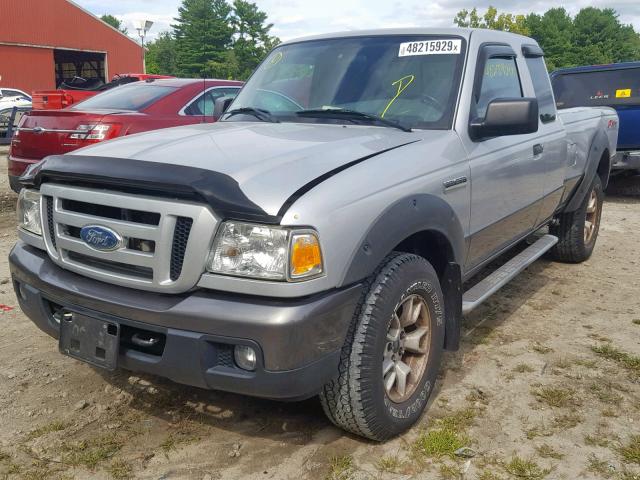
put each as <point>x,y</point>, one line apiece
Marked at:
<point>134,108</point>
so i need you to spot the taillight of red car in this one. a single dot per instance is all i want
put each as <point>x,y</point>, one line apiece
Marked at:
<point>87,134</point>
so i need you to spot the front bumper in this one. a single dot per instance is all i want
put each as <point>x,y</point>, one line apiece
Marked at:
<point>298,340</point>
<point>626,160</point>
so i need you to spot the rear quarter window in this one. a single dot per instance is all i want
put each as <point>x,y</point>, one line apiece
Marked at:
<point>133,97</point>
<point>603,88</point>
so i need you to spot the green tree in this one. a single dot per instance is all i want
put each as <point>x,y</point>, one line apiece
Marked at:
<point>203,34</point>
<point>491,19</point>
<point>251,36</point>
<point>599,37</point>
<point>593,36</point>
<point>554,33</point>
<point>114,22</point>
<point>161,58</point>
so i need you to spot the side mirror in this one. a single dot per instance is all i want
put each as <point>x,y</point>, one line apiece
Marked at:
<point>221,105</point>
<point>506,116</point>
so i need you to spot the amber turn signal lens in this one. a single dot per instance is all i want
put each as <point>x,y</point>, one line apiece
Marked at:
<point>306,258</point>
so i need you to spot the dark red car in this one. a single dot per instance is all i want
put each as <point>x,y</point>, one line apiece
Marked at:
<point>134,108</point>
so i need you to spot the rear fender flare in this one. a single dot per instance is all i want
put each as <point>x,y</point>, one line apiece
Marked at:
<point>599,146</point>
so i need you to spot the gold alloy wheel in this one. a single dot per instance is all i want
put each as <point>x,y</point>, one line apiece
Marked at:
<point>593,217</point>
<point>407,348</point>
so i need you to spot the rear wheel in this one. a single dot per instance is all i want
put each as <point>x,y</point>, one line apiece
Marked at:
<point>392,353</point>
<point>577,231</point>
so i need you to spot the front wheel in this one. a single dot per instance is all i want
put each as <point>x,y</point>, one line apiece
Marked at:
<point>578,231</point>
<point>392,353</point>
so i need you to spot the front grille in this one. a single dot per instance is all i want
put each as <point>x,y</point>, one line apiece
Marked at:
<point>49,201</point>
<point>154,251</point>
<point>179,247</point>
<point>111,266</point>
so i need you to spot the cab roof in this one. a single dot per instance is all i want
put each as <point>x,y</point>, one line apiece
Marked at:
<point>461,32</point>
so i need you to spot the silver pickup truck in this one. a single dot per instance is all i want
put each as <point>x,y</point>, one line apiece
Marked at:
<point>318,238</point>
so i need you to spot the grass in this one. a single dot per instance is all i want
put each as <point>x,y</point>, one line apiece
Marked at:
<point>604,392</point>
<point>636,321</point>
<point>120,470</point>
<point>525,468</point>
<point>563,363</point>
<point>596,441</point>
<point>542,349</point>
<point>4,456</point>
<point>547,451</point>
<point>340,467</point>
<point>90,453</point>
<point>447,436</point>
<point>523,368</point>
<point>56,426</point>
<point>538,431</point>
<point>487,475</point>
<point>558,397</point>
<point>622,358</point>
<point>388,464</point>
<point>450,472</point>
<point>569,420</point>
<point>597,466</point>
<point>630,452</point>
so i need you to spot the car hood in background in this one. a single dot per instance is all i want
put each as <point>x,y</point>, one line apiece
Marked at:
<point>270,162</point>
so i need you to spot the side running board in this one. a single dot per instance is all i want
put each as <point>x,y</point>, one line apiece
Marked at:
<point>500,277</point>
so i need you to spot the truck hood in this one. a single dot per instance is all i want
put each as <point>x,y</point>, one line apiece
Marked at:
<point>271,163</point>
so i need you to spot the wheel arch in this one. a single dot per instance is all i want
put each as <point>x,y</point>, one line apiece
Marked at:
<point>598,163</point>
<point>425,225</point>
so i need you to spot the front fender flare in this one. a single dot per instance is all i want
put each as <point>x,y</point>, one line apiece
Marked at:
<point>404,218</point>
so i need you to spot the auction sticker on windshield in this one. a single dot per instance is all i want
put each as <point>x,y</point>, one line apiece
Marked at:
<point>430,47</point>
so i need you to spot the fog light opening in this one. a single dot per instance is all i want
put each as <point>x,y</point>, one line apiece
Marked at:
<point>245,357</point>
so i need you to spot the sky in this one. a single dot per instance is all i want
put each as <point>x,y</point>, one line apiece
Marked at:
<point>296,18</point>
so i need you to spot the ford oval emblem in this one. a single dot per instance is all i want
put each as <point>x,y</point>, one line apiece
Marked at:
<point>100,238</point>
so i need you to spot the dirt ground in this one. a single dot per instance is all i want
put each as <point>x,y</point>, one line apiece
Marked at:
<point>546,385</point>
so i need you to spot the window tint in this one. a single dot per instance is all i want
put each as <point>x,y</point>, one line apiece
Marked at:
<point>11,93</point>
<point>542,87</point>
<point>605,88</point>
<point>133,97</point>
<point>204,105</point>
<point>499,80</point>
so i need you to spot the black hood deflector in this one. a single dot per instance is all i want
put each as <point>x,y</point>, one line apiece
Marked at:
<point>216,189</point>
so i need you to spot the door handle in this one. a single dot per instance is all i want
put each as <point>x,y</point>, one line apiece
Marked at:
<point>538,149</point>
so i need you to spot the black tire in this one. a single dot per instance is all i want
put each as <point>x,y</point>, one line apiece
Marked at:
<point>627,185</point>
<point>574,246</point>
<point>356,400</point>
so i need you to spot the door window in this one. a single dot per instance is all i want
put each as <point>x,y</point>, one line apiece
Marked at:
<point>205,103</point>
<point>500,79</point>
<point>542,87</point>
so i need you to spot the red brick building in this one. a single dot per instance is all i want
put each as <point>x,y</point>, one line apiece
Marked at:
<point>43,42</point>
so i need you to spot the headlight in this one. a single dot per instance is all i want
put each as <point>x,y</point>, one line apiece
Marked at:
<point>264,252</point>
<point>28,211</point>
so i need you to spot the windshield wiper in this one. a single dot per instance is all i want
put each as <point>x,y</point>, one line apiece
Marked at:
<point>351,115</point>
<point>259,113</point>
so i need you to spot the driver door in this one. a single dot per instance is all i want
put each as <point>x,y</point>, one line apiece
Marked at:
<point>506,172</point>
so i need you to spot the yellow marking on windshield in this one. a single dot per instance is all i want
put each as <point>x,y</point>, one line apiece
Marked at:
<point>402,86</point>
<point>276,59</point>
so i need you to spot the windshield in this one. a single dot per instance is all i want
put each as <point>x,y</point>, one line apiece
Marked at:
<point>412,80</point>
<point>133,97</point>
<point>605,88</point>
